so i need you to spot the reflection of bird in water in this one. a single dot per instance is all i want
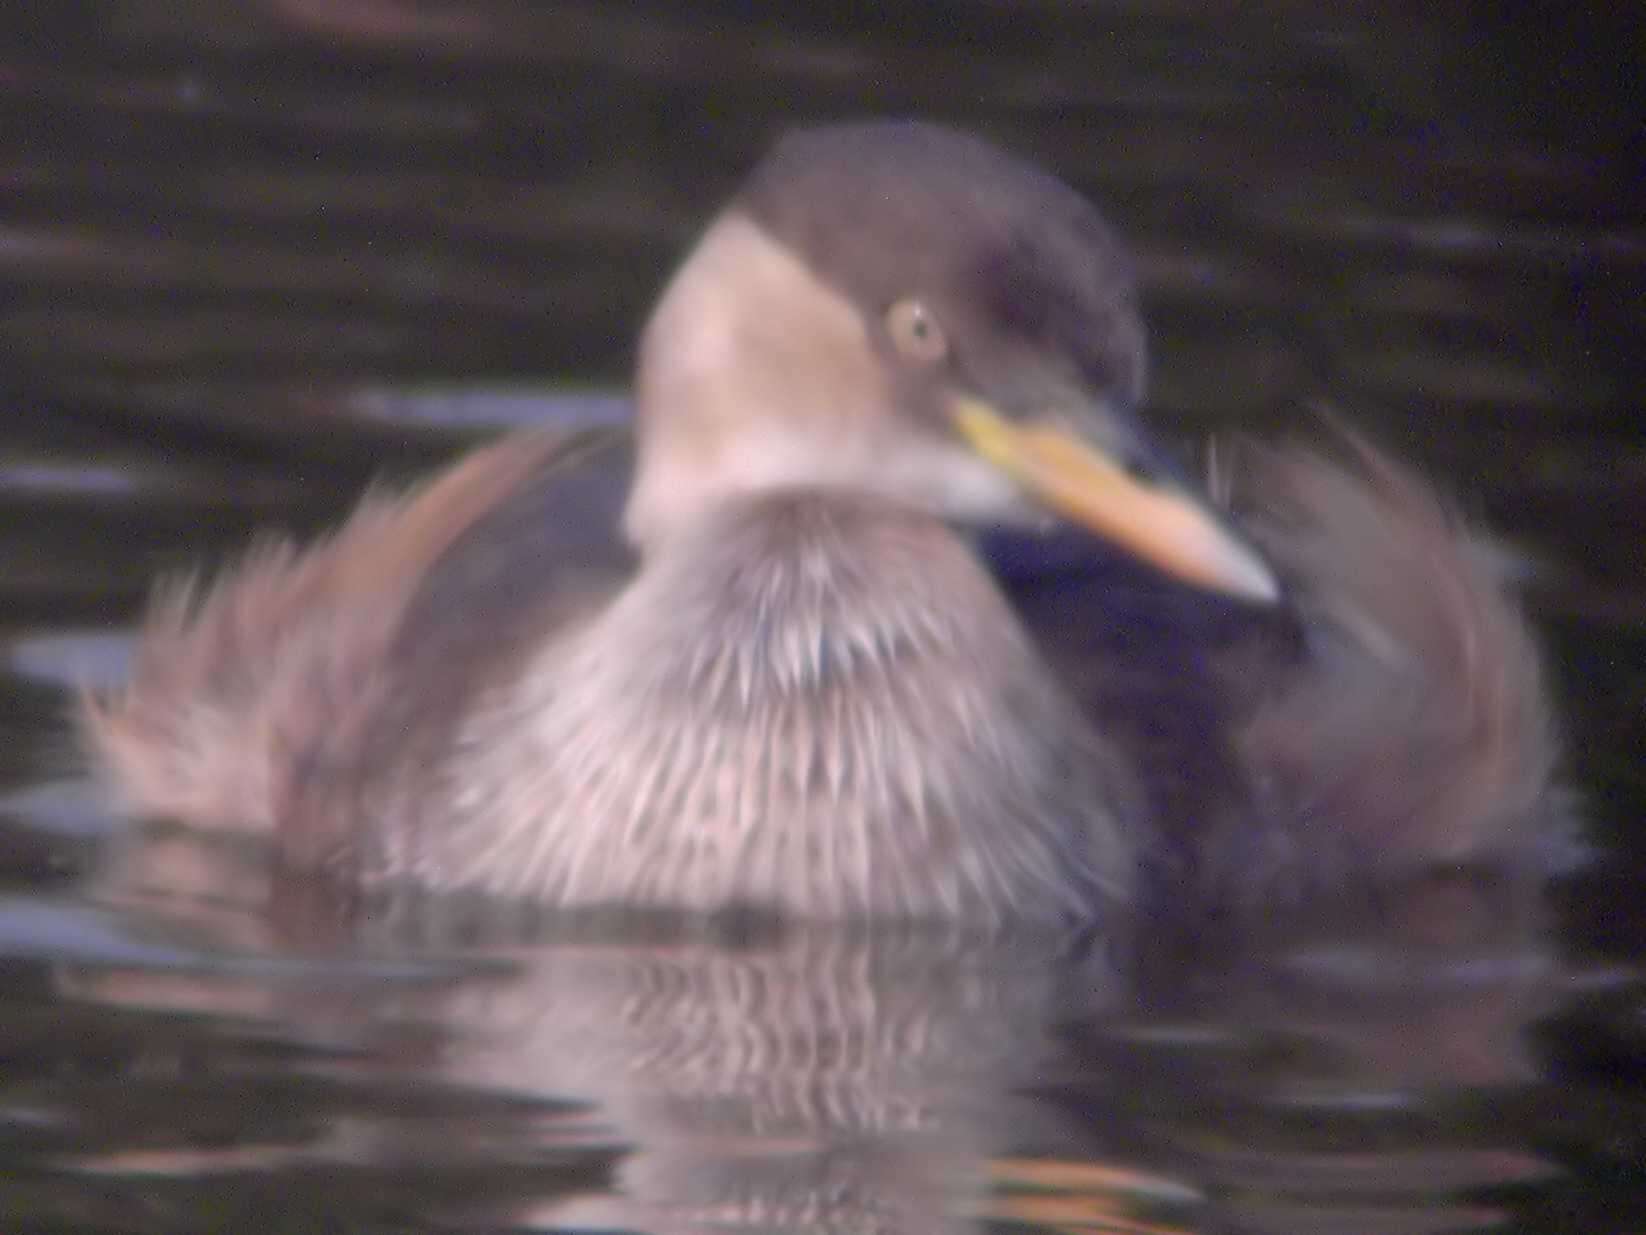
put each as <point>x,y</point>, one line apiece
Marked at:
<point>782,675</point>
<point>825,1080</point>
<point>829,1078</point>
<point>822,1077</point>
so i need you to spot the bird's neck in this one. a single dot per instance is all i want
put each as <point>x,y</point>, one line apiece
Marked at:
<point>752,376</point>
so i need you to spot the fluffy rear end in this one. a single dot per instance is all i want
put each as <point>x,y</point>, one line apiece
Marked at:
<point>244,690</point>
<point>235,686</point>
<point>1419,730</point>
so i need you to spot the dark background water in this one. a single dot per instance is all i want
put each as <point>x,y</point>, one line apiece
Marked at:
<point>252,256</point>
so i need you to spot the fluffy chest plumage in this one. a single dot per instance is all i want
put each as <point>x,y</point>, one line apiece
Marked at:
<point>809,703</point>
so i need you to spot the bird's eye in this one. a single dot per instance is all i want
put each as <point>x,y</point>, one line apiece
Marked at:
<point>915,332</point>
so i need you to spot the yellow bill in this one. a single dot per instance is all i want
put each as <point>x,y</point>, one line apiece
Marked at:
<point>1162,525</point>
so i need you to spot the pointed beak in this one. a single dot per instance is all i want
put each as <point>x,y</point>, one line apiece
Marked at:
<point>1157,520</point>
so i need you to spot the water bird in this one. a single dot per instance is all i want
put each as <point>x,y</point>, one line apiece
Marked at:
<point>788,643</point>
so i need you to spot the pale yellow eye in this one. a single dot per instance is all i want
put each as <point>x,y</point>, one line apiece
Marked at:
<point>915,331</point>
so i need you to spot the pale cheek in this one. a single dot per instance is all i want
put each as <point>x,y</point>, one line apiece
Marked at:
<point>949,482</point>
<point>955,484</point>
<point>704,352</point>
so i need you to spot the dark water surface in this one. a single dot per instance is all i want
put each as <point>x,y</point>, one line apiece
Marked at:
<point>252,256</point>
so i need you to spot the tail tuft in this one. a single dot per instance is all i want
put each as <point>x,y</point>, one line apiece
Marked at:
<point>1419,725</point>
<point>234,683</point>
<point>243,691</point>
